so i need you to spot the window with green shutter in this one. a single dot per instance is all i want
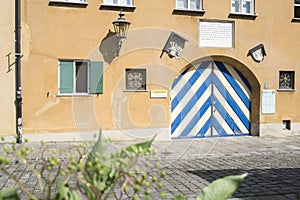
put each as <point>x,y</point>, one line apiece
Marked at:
<point>96,77</point>
<point>80,77</point>
<point>66,77</point>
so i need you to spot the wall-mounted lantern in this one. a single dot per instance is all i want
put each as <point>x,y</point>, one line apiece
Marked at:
<point>258,53</point>
<point>121,27</point>
<point>174,45</point>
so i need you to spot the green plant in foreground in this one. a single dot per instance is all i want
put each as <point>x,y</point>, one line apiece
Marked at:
<point>93,173</point>
<point>47,170</point>
<point>102,173</point>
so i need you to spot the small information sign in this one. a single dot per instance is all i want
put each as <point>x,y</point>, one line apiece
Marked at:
<point>158,94</point>
<point>268,101</point>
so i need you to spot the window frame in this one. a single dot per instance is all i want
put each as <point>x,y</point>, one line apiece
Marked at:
<point>84,2</point>
<point>292,73</point>
<point>118,3</point>
<point>90,90</point>
<point>296,5</point>
<point>189,6</point>
<point>75,82</point>
<point>240,12</point>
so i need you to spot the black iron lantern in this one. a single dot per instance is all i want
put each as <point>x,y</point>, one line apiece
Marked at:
<point>121,26</point>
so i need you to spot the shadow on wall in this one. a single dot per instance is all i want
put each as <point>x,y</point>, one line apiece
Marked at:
<point>108,47</point>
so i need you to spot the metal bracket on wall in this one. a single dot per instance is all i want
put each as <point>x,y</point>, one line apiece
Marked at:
<point>9,64</point>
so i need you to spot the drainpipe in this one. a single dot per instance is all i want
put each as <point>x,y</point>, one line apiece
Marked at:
<point>18,83</point>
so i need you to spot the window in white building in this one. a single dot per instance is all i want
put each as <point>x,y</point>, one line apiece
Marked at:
<point>242,6</point>
<point>189,4</point>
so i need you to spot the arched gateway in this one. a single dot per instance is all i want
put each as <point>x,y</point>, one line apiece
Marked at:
<point>213,99</point>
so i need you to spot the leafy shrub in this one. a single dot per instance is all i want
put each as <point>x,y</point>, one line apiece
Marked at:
<point>96,174</point>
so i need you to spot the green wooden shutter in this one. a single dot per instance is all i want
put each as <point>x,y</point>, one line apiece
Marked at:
<point>96,77</point>
<point>66,77</point>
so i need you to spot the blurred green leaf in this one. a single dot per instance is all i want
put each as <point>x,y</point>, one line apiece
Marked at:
<point>9,194</point>
<point>179,197</point>
<point>222,189</point>
<point>65,193</point>
<point>139,147</point>
<point>98,150</point>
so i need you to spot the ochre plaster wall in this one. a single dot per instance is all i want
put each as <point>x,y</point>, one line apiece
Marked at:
<point>7,72</point>
<point>53,32</point>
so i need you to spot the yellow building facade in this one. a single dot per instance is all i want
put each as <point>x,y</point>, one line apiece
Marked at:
<point>7,122</point>
<point>186,69</point>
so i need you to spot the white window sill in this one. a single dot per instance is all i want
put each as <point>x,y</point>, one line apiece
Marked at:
<point>69,2</point>
<point>240,13</point>
<point>243,15</point>
<point>74,95</point>
<point>188,12</point>
<point>135,90</point>
<point>118,5</point>
<point>125,8</point>
<point>286,90</point>
<point>296,20</point>
<point>192,10</point>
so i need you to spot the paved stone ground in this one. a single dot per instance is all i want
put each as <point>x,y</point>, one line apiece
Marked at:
<point>272,164</point>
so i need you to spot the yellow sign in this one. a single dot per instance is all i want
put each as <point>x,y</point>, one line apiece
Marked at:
<point>158,93</point>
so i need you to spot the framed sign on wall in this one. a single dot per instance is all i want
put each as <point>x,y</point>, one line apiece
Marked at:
<point>268,102</point>
<point>214,33</point>
<point>135,79</point>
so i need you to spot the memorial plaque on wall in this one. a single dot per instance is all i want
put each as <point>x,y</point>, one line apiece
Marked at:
<point>216,34</point>
<point>268,102</point>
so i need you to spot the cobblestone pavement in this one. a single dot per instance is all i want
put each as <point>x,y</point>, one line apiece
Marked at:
<point>272,164</point>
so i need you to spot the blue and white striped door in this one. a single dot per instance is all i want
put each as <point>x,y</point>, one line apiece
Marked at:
<point>212,100</point>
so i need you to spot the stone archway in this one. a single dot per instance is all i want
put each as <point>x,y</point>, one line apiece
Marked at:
<point>215,98</point>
